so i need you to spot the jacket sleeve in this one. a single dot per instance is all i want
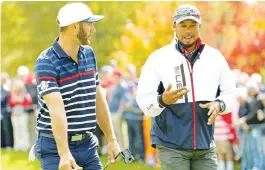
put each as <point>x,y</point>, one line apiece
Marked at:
<point>227,86</point>
<point>11,103</point>
<point>147,95</point>
<point>27,101</point>
<point>252,117</point>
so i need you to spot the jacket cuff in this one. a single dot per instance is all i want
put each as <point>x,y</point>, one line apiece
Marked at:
<point>160,102</point>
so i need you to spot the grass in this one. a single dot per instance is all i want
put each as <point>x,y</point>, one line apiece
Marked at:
<point>19,161</point>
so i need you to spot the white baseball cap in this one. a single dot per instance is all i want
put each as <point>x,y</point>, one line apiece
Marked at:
<point>251,84</point>
<point>185,12</point>
<point>23,71</point>
<point>256,77</point>
<point>76,12</point>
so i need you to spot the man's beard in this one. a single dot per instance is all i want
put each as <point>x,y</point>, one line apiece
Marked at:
<point>82,36</point>
<point>187,45</point>
<point>184,45</point>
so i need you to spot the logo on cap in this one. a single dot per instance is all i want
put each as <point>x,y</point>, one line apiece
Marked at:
<point>185,12</point>
<point>44,85</point>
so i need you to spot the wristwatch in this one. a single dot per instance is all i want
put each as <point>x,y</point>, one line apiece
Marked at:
<point>222,105</point>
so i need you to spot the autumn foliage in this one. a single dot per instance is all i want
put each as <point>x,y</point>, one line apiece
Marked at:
<point>130,31</point>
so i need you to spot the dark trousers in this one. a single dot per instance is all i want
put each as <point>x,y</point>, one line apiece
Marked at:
<point>6,132</point>
<point>253,149</point>
<point>136,140</point>
<point>84,153</point>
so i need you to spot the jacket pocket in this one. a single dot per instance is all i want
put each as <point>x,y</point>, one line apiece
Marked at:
<point>174,125</point>
<point>204,132</point>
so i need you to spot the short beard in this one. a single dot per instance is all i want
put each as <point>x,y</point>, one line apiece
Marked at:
<point>187,46</point>
<point>81,34</point>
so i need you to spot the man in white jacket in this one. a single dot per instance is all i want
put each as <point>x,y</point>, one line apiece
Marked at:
<point>184,111</point>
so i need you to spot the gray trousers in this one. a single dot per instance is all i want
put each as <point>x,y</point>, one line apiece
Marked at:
<point>180,159</point>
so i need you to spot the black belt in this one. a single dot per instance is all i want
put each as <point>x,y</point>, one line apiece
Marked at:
<point>72,138</point>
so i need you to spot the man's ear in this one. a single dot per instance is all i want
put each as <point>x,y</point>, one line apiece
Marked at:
<point>75,27</point>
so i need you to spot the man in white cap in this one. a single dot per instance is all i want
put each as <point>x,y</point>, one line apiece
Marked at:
<point>183,113</point>
<point>71,101</point>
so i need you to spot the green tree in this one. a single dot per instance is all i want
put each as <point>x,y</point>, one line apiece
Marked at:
<point>132,30</point>
<point>30,27</point>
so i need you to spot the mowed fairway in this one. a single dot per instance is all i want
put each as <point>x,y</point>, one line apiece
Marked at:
<point>19,161</point>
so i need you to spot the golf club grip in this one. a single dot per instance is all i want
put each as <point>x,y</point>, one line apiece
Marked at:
<point>109,162</point>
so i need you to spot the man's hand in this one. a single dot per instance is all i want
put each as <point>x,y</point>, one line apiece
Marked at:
<point>128,107</point>
<point>68,163</point>
<point>242,123</point>
<point>245,127</point>
<point>170,97</point>
<point>113,150</point>
<point>214,109</point>
<point>260,115</point>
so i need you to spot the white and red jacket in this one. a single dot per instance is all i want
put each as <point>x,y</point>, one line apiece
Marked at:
<point>184,124</point>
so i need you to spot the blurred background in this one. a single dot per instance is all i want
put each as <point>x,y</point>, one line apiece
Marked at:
<point>124,39</point>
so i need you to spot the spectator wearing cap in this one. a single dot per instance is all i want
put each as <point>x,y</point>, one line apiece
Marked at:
<point>116,104</point>
<point>19,101</point>
<point>255,77</point>
<point>244,107</point>
<point>134,119</point>
<point>113,64</point>
<point>31,87</point>
<point>22,73</point>
<point>177,87</point>
<point>253,155</point>
<point>26,76</point>
<point>70,98</point>
<point>130,76</point>
<point>243,79</point>
<point>105,76</point>
<point>252,89</point>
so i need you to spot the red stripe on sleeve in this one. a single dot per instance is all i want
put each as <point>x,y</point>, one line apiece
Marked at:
<point>46,78</point>
<point>76,75</point>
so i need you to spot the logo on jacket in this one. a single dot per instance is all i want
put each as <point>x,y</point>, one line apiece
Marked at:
<point>89,69</point>
<point>150,107</point>
<point>178,77</point>
<point>44,85</point>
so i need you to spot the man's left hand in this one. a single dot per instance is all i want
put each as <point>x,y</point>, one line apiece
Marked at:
<point>113,150</point>
<point>214,108</point>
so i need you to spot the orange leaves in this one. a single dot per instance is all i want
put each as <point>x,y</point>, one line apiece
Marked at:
<point>235,28</point>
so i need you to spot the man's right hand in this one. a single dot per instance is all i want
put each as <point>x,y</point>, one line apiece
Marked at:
<point>68,163</point>
<point>170,97</point>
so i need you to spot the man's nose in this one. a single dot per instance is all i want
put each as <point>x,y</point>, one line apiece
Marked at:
<point>93,29</point>
<point>188,29</point>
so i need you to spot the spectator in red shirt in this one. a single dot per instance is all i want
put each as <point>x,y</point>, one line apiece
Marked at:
<point>19,100</point>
